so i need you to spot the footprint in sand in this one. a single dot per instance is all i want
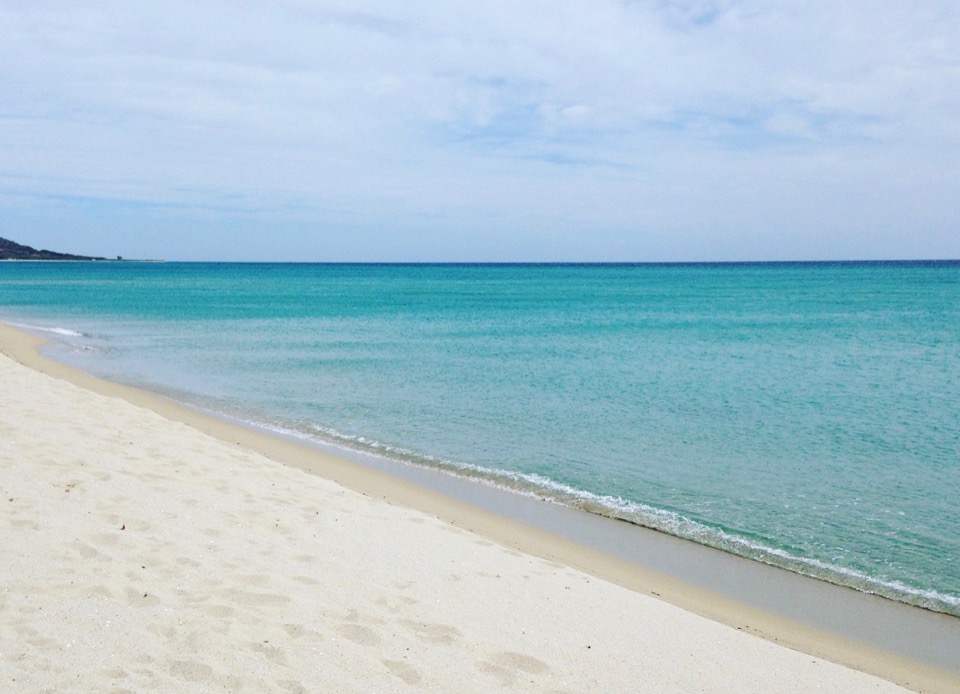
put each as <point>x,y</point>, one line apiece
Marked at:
<point>434,633</point>
<point>359,634</point>
<point>219,611</point>
<point>507,667</point>
<point>405,672</point>
<point>272,653</point>
<point>190,670</point>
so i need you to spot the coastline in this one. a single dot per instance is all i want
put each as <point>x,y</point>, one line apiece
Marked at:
<point>405,497</point>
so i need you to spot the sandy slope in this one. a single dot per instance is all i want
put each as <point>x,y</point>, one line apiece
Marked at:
<point>140,554</point>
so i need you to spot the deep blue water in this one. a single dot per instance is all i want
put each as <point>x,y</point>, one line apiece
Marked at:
<point>803,414</point>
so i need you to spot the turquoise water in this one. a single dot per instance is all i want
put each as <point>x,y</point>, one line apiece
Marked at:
<point>806,415</point>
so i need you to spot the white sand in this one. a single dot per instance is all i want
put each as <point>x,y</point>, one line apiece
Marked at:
<point>142,555</point>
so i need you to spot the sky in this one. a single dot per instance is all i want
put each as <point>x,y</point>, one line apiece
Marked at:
<point>488,131</point>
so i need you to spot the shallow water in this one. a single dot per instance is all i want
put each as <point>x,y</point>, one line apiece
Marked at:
<point>806,415</point>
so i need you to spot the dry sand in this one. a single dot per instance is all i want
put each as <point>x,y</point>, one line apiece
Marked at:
<point>145,553</point>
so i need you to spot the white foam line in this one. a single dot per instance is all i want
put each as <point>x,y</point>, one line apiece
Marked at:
<point>545,489</point>
<point>48,329</point>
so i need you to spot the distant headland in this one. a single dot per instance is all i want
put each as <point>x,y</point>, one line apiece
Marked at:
<point>9,250</point>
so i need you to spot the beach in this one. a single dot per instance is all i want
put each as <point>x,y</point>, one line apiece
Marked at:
<point>148,547</point>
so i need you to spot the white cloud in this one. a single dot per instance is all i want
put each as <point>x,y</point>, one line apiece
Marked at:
<point>591,128</point>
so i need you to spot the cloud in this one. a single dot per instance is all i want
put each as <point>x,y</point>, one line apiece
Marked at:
<point>623,122</point>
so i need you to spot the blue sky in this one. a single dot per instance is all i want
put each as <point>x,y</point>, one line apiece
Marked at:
<point>594,130</point>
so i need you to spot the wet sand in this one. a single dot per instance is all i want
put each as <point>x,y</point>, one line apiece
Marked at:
<point>150,547</point>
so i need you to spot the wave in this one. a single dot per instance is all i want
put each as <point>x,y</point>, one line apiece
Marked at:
<point>670,522</point>
<point>62,331</point>
<point>545,489</point>
<point>55,330</point>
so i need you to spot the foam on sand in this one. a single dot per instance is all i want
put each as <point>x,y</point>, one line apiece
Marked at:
<point>143,554</point>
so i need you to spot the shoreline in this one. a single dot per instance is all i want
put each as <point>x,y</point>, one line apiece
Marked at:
<point>593,528</point>
<point>675,586</point>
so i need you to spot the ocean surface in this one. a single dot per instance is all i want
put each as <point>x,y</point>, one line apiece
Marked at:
<point>806,415</point>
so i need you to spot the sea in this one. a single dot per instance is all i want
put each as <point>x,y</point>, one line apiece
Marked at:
<point>804,415</point>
